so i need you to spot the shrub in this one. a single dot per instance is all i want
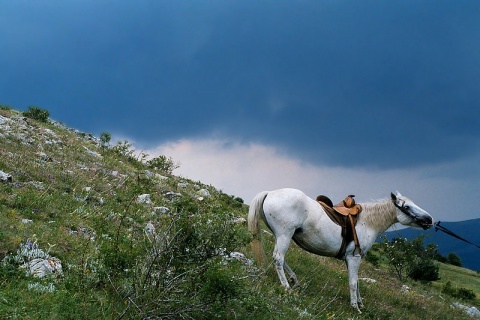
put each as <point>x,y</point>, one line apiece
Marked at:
<point>373,258</point>
<point>37,113</point>
<point>105,138</point>
<point>163,164</point>
<point>5,107</point>
<point>454,259</point>
<point>410,259</point>
<point>461,293</point>
<point>425,270</point>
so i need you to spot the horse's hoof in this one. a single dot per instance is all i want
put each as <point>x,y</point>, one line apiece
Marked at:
<point>355,306</point>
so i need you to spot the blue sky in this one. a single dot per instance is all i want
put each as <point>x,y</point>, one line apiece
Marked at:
<point>332,97</point>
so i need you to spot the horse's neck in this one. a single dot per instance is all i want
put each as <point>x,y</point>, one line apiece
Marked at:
<point>378,216</point>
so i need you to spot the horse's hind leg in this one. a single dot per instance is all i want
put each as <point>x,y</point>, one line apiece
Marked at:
<point>281,247</point>
<point>290,272</point>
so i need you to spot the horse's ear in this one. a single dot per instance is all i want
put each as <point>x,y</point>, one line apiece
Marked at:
<point>395,195</point>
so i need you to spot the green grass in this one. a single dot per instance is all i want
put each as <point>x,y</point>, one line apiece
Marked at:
<point>460,278</point>
<point>88,217</point>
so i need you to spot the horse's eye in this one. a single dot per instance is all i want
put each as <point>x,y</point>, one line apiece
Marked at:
<point>406,207</point>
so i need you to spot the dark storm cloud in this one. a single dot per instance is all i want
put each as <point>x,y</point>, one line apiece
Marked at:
<point>379,84</point>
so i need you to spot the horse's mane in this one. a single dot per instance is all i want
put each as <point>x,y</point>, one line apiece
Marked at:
<point>379,215</point>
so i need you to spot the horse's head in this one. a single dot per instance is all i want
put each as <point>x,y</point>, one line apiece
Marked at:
<point>408,213</point>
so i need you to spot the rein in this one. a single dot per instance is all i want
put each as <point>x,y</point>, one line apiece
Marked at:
<point>442,228</point>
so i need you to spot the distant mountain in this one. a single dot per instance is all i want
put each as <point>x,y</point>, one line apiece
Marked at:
<point>468,229</point>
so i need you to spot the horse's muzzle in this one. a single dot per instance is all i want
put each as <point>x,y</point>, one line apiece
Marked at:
<point>427,223</point>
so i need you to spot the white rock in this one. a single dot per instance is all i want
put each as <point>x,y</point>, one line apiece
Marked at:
<point>149,173</point>
<point>3,120</point>
<point>41,267</point>
<point>160,177</point>
<point>161,210</point>
<point>44,156</point>
<point>150,231</point>
<point>5,177</point>
<point>27,221</point>
<point>240,220</point>
<point>93,153</point>
<point>471,311</point>
<point>369,280</point>
<point>144,198</point>
<point>170,195</point>
<point>241,257</point>
<point>204,192</point>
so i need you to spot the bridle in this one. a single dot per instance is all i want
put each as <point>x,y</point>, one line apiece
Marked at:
<point>408,213</point>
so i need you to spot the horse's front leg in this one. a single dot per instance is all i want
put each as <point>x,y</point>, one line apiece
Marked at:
<point>353,264</point>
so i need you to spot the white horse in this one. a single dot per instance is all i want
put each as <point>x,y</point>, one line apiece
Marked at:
<point>290,214</point>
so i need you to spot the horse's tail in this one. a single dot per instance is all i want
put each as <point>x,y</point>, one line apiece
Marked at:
<point>255,212</point>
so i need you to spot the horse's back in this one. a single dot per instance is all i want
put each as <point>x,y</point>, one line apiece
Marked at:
<point>287,207</point>
<point>287,198</point>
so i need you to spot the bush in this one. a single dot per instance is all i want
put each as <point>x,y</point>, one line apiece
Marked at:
<point>454,260</point>
<point>461,293</point>
<point>5,107</point>
<point>425,270</point>
<point>373,258</point>
<point>411,259</point>
<point>37,113</point>
<point>105,138</point>
<point>163,164</point>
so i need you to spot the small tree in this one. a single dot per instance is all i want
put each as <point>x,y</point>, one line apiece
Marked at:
<point>411,259</point>
<point>454,259</point>
<point>105,138</point>
<point>37,113</point>
<point>163,164</point>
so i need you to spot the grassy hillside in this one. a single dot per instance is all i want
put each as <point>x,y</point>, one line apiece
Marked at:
<point>175,254</point>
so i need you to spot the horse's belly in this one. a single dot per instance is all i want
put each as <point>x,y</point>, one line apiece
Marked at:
<point>317,243</point>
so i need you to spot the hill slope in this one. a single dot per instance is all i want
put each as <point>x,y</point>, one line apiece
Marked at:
<point>91,231</point>
<point>469,230</point>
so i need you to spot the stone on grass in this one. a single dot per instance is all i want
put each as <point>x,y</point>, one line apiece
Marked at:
<point>240,220</point>
<point>204,192</point>
<point>3,120</point>
<point>241,257</point>
<point>93,153</point>
<point>471,311</point>
<point>150,231</point>
<point>144,198</point>
<point>160,210</point>
<point>5,177</point>
<point>40,267</point>
<point>171,195</point>
<point>183,185</point>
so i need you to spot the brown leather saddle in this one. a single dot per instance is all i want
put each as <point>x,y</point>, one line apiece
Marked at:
<point>345,214</point>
